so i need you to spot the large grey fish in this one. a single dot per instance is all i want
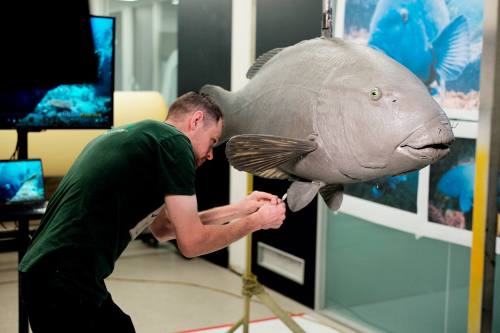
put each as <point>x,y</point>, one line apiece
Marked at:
<point>325,112</point>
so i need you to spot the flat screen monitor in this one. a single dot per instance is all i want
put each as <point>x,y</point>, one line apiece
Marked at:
<point>21,182</point>
<point>68,106</point>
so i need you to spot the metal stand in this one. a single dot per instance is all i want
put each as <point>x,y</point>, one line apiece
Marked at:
<point>252,287</point>
<point>23,233</point>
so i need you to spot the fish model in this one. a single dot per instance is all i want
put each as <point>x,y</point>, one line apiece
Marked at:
<point>420,35</point>
<point>326,112</point>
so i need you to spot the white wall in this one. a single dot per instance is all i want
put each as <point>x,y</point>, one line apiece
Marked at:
<point>242,57</point>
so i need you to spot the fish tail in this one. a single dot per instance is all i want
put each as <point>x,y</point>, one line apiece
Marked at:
<point>219,95</point>
<point>226,101</point>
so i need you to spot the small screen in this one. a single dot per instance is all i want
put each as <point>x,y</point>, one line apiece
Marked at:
<point>21,181</point>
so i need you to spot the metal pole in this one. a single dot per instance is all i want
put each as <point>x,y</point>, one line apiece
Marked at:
<point>482,262</point>
<point>327,21</point>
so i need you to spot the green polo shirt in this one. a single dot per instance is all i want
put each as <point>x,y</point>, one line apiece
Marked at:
<point>117,179</point>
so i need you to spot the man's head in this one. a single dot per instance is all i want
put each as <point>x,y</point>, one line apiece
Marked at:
<point>200,119</point>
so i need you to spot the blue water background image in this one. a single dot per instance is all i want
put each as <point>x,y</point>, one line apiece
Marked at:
<point>81,105</point>
<point>358,15</point>
<point>397,191</point>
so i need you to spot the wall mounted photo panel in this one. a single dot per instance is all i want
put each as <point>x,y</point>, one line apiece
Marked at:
<point>451,188</point>
<point>440,41</point>
<point>397,191</point>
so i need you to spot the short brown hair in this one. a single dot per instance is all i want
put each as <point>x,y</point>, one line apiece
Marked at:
<point>193,101</point>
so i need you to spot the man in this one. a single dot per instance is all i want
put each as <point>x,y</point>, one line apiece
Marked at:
<point>117,180</point>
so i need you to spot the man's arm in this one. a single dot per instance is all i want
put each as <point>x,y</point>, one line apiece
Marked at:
<point>194,238</point>
<point>163,230</point>
<point>247,206</point>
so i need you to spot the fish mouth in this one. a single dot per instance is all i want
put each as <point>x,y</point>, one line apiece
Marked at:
<point>430,142</point>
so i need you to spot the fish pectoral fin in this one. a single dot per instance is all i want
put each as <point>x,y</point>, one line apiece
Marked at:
<point>261,61</point>
<point>333,195</point>
<point>274,173</point>
<point>255,153</point>
<point>300,194</point>
<point>452,49</point>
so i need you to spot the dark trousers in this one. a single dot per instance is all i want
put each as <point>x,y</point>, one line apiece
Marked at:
<point>53,308</point>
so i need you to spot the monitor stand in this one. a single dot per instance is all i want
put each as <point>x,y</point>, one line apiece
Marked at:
<point>23,229</point>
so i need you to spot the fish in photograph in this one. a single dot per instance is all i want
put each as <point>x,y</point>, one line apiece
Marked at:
<point>421,35</point>
<point>458,182</point>
<point>387,184</point>
<point>473,11</point>
<point>327,112</point>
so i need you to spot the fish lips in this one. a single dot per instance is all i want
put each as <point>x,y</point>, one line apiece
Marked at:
<point>430,142</point>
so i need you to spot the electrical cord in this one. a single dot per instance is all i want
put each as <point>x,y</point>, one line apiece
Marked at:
<point>15,154</point>
<point>181,283</point>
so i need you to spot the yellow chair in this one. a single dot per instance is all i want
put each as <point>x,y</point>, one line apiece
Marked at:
<point>59,148</point>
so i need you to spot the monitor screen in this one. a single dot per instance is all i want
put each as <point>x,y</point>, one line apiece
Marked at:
<point>21,181</point>
<point>68,106</point>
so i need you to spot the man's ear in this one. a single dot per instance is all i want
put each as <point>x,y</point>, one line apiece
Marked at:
<point>196,120</point>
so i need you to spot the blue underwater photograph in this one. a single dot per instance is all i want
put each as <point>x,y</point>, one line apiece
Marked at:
<point>21,181</point>
<point>451,190</point>
<point>71,105</point>
<point>440,41</point>
<point>397,191</point>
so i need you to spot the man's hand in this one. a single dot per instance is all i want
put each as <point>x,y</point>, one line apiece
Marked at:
<point>255,200</point>
<point>270,216</point>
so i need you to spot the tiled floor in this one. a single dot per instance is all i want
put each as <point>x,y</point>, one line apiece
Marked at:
<point>163,292</point>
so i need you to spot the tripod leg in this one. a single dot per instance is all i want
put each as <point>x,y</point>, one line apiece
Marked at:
<point>246,316</point>
<point>279,312</point>
<point>235,326</point>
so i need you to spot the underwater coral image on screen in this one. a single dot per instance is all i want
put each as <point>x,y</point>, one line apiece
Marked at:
<point>68,106</point>
<point>440,41</point>
<point>21,181</point>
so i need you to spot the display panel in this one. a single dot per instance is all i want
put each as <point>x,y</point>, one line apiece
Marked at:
<point>439,41</point>
<point>396,191</point>
<point>68,106</point>
<point>21,181</point>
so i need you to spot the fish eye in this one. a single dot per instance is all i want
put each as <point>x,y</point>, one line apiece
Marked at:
<point>375,94</point>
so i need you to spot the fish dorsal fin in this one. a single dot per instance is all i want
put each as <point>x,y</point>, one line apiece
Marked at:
<point>261,61</point>
<point>300,194</point>
<point>452,49</point>
<point>256,153</point>
<point>333,195</point>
